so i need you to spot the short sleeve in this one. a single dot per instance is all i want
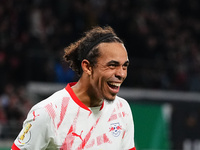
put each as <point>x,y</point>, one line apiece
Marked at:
<point>128,139</point>
<point>35,132</point>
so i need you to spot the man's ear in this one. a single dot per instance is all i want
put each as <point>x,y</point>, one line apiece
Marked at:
<point>85,64</point>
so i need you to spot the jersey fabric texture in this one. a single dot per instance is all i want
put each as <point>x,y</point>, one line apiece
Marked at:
<point>63,122</point>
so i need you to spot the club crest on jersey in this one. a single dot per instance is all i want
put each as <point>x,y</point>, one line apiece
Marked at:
<point>115,129</point>
<point>25,135</point>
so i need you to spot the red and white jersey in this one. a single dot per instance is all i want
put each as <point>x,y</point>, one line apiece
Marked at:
<point>63,122</point>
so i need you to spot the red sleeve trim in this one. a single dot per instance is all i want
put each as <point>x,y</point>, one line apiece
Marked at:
<point>133,148</point>
<point>14,147</point>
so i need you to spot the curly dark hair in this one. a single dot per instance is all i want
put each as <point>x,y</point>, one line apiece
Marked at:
<point>77,51</point>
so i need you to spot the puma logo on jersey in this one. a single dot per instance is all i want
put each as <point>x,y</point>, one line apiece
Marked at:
<point>75,134</point>
<point>34,116</point>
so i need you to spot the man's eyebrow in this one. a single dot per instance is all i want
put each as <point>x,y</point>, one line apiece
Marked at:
<point>116,62</point>
<point>113,62</point>
<point>127,62</point>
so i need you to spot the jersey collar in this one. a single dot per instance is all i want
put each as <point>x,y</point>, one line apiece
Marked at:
<point>76,99</point>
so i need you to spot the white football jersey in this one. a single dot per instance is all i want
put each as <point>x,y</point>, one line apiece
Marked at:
<point>63,122</point>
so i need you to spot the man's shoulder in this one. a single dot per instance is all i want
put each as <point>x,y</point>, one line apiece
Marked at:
<point>121,100</point>
<point>55,98</point>
<point>118,101</point>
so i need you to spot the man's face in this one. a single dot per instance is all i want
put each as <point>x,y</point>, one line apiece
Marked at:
<point>110,70</point>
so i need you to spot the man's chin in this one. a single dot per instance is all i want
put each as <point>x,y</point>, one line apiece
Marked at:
<point>111,98</point>
<point>109,101</point>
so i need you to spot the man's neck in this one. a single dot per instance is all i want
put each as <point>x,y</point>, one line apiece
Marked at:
<point>85,94</point>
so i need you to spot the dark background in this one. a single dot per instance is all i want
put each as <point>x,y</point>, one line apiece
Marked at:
<point>162,38</point>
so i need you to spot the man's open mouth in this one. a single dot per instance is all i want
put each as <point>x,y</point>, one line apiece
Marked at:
<point>114,85</point>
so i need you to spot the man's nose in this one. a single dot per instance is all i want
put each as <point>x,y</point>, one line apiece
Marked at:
<point>121,73</point>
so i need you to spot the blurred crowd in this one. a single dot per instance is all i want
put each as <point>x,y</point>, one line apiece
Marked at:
<point>162,38</point>
<point>14,106</point>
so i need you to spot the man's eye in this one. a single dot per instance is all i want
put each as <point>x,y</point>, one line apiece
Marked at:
<point>125,67</point>
<point>112,65</point>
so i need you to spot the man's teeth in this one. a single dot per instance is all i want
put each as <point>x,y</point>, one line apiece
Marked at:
<point>115,84</point>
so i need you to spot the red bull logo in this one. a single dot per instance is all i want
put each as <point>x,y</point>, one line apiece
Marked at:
<point>115,129</point>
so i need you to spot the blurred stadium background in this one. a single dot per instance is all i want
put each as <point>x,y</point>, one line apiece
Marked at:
<point>163,83</point>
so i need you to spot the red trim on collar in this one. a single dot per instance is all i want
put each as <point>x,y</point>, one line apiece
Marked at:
<point>75,98</point>
<point>102,106</point>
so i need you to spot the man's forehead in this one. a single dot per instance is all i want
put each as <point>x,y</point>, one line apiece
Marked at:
<point>112,49</point>
<point>113,53</point>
